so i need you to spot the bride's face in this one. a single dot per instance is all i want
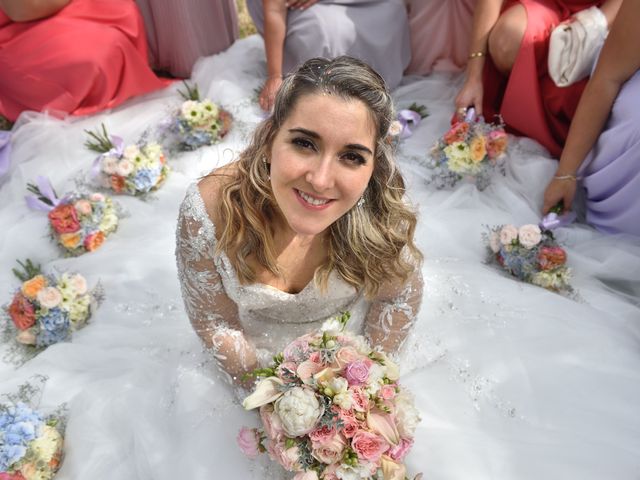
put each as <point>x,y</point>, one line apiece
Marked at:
<point>321,161</point>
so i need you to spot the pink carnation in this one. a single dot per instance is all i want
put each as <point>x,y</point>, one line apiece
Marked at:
<point>322,434</point>
<point>296,351</point>
<point>368,446</point>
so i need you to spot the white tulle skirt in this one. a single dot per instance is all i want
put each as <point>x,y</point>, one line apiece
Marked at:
<point>513,381</point>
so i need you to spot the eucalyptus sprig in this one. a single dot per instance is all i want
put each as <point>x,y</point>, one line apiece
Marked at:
<point>419,109</point>
<point>191,93</point>
<point>100,141</point>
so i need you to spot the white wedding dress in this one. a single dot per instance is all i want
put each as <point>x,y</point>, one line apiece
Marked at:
<point>513,382</point>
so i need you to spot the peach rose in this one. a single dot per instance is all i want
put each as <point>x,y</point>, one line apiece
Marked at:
<point>93,241</point>
<point>497,143</point>
<point>457,133</point>
<point>346,355</point>
<point>117,183</point>
<point>83,207</point>
<point>368,446</point>
<point>78,283</point>
<point>478,149</point>
<point>22,312</point>
<point>49,297</point>
<point>330,450</point>
<point>30,288</point>
<point>64,219</point>
<point>71,240</point>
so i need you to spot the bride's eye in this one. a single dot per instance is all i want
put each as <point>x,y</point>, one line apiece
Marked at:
<point>303,143</point>
<point>353,158</point>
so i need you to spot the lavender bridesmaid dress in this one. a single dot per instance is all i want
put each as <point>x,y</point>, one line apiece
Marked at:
<point>180,32</point>
<point>440,32</point>
<point>375,31</point>
<point>611,171</point>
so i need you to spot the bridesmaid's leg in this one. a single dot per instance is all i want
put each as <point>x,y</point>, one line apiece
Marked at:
<point>506,37</point>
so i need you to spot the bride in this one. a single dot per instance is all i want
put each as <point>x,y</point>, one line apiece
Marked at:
<point>309,222</point>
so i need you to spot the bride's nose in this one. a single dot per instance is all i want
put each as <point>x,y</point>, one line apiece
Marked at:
<point>321,174</point>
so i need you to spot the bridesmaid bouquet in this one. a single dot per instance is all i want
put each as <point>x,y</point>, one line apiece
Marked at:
<point>407,120</point>
<point>531,254</point>
<point>31,443</point>
<point>79,222</point>
<point>136,169</point>
<point>198,122</point>
<point>332,408</point>
<point>47,309</point>
<point>471,149</point>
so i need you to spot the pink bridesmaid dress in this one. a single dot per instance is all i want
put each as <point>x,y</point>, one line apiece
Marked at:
<point>181,31</point>
<point>440,33</point>
<point>89,56</point>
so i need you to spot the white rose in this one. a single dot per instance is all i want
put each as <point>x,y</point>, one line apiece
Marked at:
<point>343,400</point>
<point>529,236</point>
<point>124,168</point>
<point>494,242</point>
<point>299,411</point>
<point>78,283</point>
<point>49,297</point>
<point>508,234</point>
<point>407,415</point>
<point>132,151</point>
<point>395,128</point>
<point>109,165</point>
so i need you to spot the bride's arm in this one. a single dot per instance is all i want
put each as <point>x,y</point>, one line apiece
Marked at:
<point>212,313</point>
<point>393,312</point>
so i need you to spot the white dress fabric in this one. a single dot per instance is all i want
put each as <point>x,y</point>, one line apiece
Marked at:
<point>512,381</point>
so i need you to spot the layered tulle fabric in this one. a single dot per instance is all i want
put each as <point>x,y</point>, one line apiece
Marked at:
<point>89,56</point>
<point>512,381</point>
<point>528,100</point>
<point>180,32</point>
<point>375,31</point>
<point>440,34</point>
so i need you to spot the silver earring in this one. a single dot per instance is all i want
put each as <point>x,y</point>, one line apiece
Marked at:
<point>360,203</point>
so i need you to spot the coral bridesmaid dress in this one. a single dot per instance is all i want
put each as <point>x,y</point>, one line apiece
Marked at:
<point>89,56</point>
<point>529,102</point>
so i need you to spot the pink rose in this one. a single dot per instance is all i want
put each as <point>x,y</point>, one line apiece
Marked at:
<point>297,351</point>
<point>322,434</point>
<point>350,426</point>
<point>308,369</point>
<point>315,357</point>
<point>83,207</point>
<point>329,473</point>
<point>96,197</point>
<point>329,451</point>
<point>508,234</point>
<point>357,372</point>
<point>360,399</point>
<point>368,446</point>
<point>347,355</point>
<point>271,422</point>
<point>306,475</point>
<point>387,392</point>
<point>529,236</point>
<point>398,452</point>
<point>286,457</point>
<point>249,441</point>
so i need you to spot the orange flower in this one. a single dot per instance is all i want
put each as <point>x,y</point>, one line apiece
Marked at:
<point>117,183</point>
<point>22,312</point>
<point>71,240</point>
<point>64,219</point>
<point>92,242</point>
<point>30,288</point>
<point>497,143</point>
<point>457,133</point>
<point>163,159</point>
<point>478,149</point>
<point>551,257</point>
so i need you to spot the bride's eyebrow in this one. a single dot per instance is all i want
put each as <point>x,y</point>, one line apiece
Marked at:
<point>312,134</point>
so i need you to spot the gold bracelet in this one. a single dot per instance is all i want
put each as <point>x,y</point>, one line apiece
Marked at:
<point>566,177</point>
<point>476,55</point>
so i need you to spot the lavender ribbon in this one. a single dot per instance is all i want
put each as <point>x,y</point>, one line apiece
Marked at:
<point>117,150</point>
<point>552,220</point>
<point>46,191</point>
<point>5,151</point>
<point>408,119</point>
<point>470,116</point>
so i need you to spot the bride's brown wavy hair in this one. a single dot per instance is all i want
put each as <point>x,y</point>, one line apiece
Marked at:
<point>370,244</point>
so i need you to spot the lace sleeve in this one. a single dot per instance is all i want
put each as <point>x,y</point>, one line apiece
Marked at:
<point>393,312</point>
<point>213,315</point>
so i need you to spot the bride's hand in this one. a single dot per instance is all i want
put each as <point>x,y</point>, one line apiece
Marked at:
<point>235,354</point>
<point>268,93</point>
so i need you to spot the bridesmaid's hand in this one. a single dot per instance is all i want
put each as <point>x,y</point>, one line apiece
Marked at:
<point>469,96</point>
<point>268,93</point>
<point>559,190</point>
<point>300,4</point>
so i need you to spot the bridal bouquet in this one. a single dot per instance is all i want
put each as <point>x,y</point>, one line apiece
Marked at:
<point>136,169</point>
<point>79,222</point>
<point>470,149</point>
<point>30,442</point>
<point>332,408</point>
<point>531,254</point>
<point>46,309</point>
<point>197,122</point>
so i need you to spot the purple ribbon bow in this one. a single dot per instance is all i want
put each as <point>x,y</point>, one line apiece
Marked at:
<point>5,150</point>
<point>117,150</point>
<point>408,119</point>
<point>470,116</point>
<point>552,220</point>
<point>47,192</point>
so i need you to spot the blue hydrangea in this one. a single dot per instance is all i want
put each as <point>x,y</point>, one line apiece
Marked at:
<point>519,262</point>
<point>54,327</point>
<point>145,179</point>
<point>19,425</point>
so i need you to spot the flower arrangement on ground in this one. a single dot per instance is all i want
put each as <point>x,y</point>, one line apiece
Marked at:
<point>332,408</point>
<point>46,309</point>
<point>407,120</point>
<point>471,149</point>
<point>79,223</point>
<point>136,169</point>
<point>531,254</point>
<point>197,122</point>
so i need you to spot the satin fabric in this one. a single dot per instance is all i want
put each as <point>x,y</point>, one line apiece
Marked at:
<point>440,33</point>
<point>180,32</point>
<point>89,56</point>
<point>529,102</point>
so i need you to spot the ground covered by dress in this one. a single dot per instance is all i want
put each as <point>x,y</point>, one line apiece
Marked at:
<point>512,381</point>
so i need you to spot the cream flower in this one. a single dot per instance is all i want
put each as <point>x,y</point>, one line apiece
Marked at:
<point>407,415</point>
<point>529,236</point>
<point>508,234</point>
<point>78,283</point>
<point>49,297</point>
<point>124,168</point>
<point>131,152</point>
<point>267,390</point>
<point>299,411</point>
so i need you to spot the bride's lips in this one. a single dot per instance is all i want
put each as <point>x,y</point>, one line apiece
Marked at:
<point>306,202</point>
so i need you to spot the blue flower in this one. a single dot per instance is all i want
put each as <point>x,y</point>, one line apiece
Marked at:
<point>10,454</point>
<point>145,179</point>
<point>54,327</point>
<point>19,425</point>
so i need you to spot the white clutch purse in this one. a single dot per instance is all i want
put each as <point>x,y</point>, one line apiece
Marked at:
<point>574,46</point>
